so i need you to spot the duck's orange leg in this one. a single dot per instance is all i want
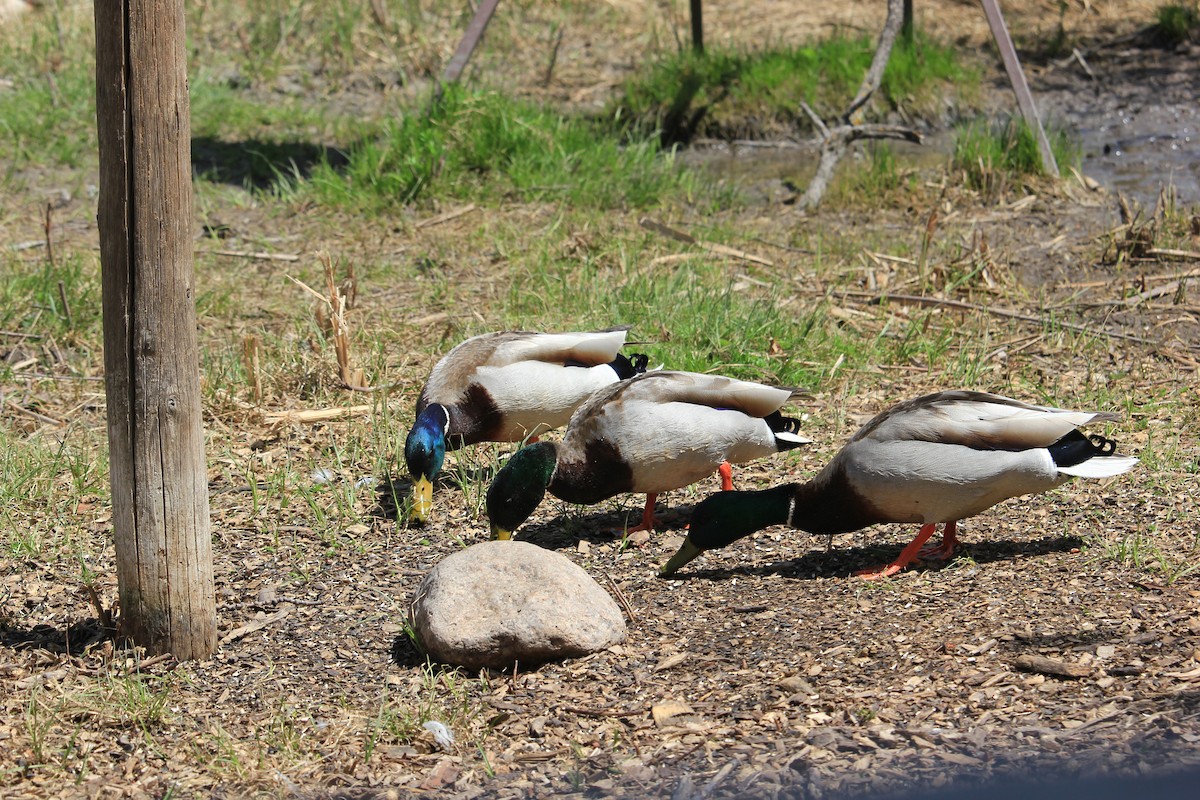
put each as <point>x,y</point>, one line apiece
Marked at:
<point>726,473</point>
<point>906,557</point>
<point>944,550</point>
<point>647,523</point>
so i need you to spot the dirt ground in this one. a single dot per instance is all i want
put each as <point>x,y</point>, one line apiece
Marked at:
<point>787,677</point>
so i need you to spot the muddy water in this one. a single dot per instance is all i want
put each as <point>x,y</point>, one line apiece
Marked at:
<point>1137,118</point>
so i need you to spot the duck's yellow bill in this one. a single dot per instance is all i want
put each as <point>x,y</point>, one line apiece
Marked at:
<point>687,551</point>
<point>500,533</point>
<point>422,499</point>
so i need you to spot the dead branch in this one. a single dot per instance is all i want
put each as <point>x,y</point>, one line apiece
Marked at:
<point>836,140</point>
<point>919,300</point>
<point>834,146</point>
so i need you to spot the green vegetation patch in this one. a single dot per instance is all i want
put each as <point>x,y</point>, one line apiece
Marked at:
<point>990,154</point>
<point>485,145</point>
<point>47,96</point>
<point>1176,23</point>
<point>728,94</point>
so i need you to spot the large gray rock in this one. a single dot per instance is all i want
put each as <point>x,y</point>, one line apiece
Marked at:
<point>496,603</point>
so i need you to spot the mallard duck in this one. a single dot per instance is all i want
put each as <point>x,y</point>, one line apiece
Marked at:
<point>507,387</point>
<point>938,458</point>
<point>659,431</point>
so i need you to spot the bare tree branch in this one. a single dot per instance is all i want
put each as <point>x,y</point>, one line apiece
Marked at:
<point>883,51</point>
<point>835,141</point>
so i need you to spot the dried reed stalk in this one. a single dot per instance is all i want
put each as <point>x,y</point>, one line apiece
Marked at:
<point>331,316</point>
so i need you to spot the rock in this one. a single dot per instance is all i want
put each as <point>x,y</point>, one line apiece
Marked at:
<point>668,709</point>
<point>500,602</point>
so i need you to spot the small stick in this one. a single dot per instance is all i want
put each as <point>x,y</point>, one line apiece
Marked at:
<point>999,312</point>
<point>48,226</point>
<point>1030,662</point>
<point>259,624</point>
<point>1164,251</point>
<point>601,712</point>
<point>36,415</point>
<point>248,254</point>
<point>620,597</point>
<point>553,57</point>
<point>62,296</point>
<point>453,213</point>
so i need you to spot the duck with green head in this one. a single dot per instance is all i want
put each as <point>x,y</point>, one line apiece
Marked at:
<point>659,431</point>
<point>507,387</point>
<point>938,458</point>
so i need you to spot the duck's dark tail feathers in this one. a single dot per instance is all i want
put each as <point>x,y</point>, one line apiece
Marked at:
<point>628,366</point>
<point>786,430</point>
<point>1089,456</point>
<point>1075,448</point>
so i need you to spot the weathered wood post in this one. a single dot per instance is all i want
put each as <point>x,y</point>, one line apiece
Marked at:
<point>466,46</point>
<point>697,12</point>
<point>1016,76</point>
<point>151,358</point>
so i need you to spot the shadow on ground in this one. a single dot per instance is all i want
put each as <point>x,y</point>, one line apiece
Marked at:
<point>259,164</point>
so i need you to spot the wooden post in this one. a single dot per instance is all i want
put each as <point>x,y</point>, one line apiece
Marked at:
<point>151,359</point>
<point>1016,76</point>
<point>697,26</point>
<point>470,40</point>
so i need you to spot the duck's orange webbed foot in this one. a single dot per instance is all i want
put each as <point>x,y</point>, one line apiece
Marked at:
<point>943,551</point>
<point>647,523</point>
<point>726,473</point>
<point>906,557</point>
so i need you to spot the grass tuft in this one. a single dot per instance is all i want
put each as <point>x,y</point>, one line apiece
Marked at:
<point>482,145</point>
<point>992,155</point>
<point>1176,23</point>
<point>736,94</point>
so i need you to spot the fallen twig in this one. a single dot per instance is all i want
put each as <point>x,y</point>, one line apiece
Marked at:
<point>258,624</point>
<point>687,238</point>
<point>602,712</point>
<point>998,312</point>
<point>40,417</point>
<point>1192,255</point>
<point>313,415</point>
<point>454,213</point>
<point>620,597</point>
<point>258,255</point>
<point>1030,662</point>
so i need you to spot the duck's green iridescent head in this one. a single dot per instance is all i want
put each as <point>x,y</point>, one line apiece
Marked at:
<point>424,452</point>
<point>519,487</point>
<point>723,518</point>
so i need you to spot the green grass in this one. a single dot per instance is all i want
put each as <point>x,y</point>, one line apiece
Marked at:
<point>59,298</point>
<point>734,94</point>
<point>1176,23</point>
<point>48,115</point>
<point>485,146</point>
<point>992,155</point>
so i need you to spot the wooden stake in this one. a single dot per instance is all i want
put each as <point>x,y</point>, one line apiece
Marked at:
<point>1016,76</point>
<point>470,40</point>
<point>151,358</point>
